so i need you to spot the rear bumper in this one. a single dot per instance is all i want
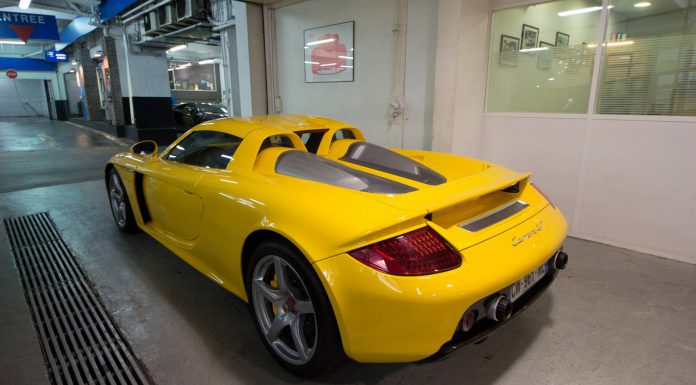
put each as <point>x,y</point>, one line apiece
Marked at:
<point>387,318</point>
<point>484,328</point>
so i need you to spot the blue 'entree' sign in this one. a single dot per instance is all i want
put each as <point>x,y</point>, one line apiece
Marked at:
<point>27,26</point>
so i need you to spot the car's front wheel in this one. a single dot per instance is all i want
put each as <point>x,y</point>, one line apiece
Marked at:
<point>292,312</point>
<point>120,205</point>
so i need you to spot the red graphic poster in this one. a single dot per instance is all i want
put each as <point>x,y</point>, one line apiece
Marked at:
<point>329,53</point>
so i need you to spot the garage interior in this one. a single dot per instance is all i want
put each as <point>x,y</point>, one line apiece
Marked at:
<point>601,109</point>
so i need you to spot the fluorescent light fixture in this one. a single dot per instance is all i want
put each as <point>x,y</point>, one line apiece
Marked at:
<point>207,61</point>
<point>612,44</point>
<point>17,42</point>
<point>327,64</point>
<point>642,4</point>
<point>24,4</point>
<point>311,62</point>
<point>317,42</point>
<point>619,43</point>
<point>346,66</point>
<point>534,49</point>
<point>177,48</point>
<point>581,11</point>
<point>346,57</point>
<point>552,79</point>
<point>170,69</point>
<point>183,66</point>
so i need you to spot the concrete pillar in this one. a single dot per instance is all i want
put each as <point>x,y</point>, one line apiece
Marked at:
<point>91,106</point>
<point>244,61</point>
<point>112,73</point>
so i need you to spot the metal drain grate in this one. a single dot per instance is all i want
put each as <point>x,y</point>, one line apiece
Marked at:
<point>80,342</point>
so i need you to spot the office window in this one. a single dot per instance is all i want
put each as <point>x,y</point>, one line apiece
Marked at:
<point>542,56</point>
<point>649,61</point>
<point>189,76</point>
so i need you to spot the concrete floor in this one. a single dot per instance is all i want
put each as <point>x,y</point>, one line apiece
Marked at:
<point>614,317</point>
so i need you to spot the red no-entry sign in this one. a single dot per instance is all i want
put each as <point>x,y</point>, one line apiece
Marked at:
<point>11,74</point>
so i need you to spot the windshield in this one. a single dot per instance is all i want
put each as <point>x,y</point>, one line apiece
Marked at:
<point>213,108</point>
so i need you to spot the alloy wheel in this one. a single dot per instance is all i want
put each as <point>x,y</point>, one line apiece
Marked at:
<point>284,310</point>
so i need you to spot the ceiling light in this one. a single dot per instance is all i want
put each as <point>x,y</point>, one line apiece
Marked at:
<point>642,4</point>
<point>18,42</point>
<point>619,43</point>
<point>582,10</point>
<point>612,44</point>
<point>74,62</point>
<point>177,48</point>
<point>183,66</point>
<point>316,42</point>
<point>97,55</point>
<point>24,4</point>
<point>534,49</point>
<point>207,61</point>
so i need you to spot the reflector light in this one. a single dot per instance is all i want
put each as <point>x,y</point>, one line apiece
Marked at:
<point>419,252</point>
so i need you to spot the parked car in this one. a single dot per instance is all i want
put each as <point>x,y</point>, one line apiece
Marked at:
<point>342,247</point>
<point>188,115</point>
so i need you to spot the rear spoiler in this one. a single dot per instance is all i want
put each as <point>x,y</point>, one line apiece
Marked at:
<point>444,196</point>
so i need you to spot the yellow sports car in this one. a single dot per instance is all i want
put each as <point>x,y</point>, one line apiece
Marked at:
<point>341,247</point>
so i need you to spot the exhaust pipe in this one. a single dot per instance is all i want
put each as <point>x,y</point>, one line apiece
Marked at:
<point>499,309</point>
<point>560,260</point>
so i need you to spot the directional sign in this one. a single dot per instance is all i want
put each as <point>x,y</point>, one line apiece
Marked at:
<point>27,26</point>
<point>11,74</point>
<point>55,56</point>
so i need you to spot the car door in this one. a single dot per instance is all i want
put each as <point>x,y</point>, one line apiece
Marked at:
<point>171,184</point>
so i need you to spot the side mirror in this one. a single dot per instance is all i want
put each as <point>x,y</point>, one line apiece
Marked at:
<point>146,147</point>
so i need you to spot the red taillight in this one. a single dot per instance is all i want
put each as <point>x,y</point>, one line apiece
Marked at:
<point>544,195</point>
<point>419,252</point>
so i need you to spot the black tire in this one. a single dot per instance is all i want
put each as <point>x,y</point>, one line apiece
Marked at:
<point>121,209</point>
<point>318,329</point>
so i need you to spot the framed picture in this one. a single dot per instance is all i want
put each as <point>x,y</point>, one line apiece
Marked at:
<point>530,37</point>
<point>545,58</point>
<point>562,39</point>
<point>328,53</point>
<point>509,45</point>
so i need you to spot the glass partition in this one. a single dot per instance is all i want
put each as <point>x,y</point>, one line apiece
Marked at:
<point>542,56</point>
<point>649,61</point>
<point>190,76</point>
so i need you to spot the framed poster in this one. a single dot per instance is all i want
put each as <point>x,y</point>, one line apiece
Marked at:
<point>545,58</point>
<point>328,53</point>
<point>562,39</point>
<point>509,46</point>
<point>530,36</point>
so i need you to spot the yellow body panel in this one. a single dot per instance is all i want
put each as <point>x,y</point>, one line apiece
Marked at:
<point>205,216</point>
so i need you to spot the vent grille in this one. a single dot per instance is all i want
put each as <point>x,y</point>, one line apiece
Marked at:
<point>80,342</point>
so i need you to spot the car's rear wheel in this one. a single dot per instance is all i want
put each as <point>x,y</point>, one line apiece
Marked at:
<point>292,312</point>
<point>120,205</point>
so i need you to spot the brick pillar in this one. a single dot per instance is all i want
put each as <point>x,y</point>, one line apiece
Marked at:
<point>90,88</point>
<point>110,63</point>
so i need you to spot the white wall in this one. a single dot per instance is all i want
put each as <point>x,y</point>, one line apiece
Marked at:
<point>622,180</point>
<point>364,102</point>
<point>22,97</point>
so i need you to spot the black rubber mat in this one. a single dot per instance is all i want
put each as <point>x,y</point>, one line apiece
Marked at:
<point>80,342</point>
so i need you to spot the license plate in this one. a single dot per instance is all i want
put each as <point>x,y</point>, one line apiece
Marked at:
<point>520,287</point>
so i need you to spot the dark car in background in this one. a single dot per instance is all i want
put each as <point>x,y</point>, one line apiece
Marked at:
<point>188,115</point>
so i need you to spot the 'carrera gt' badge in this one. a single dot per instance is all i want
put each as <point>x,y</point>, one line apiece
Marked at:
<point>517,240</point>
